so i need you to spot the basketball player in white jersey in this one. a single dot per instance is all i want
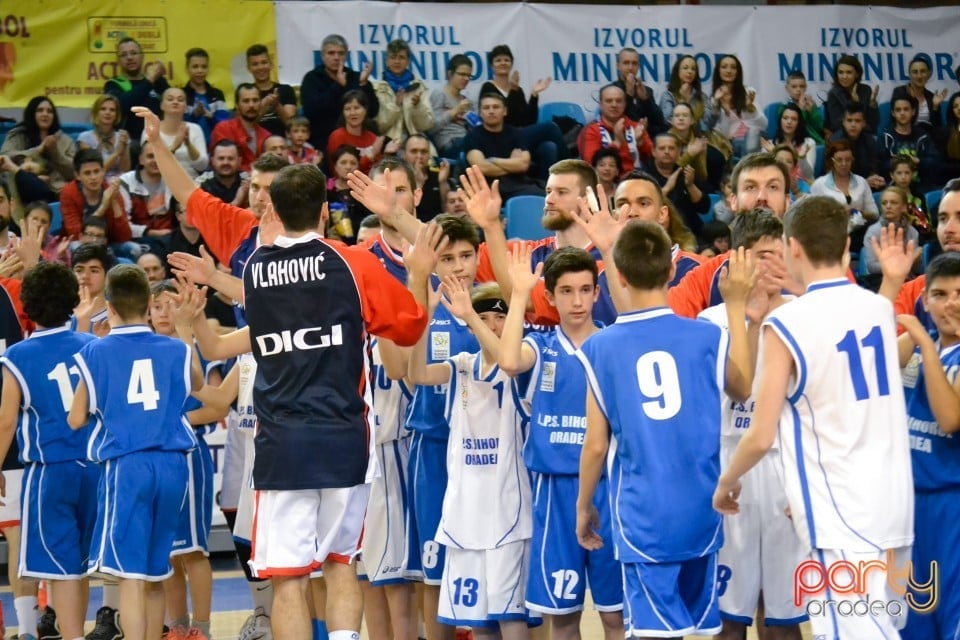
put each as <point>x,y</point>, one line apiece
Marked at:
<point>830,378</point>
<point>760,549</point>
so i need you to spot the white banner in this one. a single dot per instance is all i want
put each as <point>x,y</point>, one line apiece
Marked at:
<point>576,45</point>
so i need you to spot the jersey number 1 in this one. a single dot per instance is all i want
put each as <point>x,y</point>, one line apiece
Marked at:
<point>142,388</point>
<point>61,375</point>
<point>851,347</point>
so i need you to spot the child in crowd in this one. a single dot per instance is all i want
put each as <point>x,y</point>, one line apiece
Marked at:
<point>716,239</point>
<point>206,105</point>
<point>300,150</point>
<point>903,174</point>
<point>812,115</point>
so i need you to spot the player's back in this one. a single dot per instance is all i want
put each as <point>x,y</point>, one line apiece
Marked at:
<point>44,367</point>
<point>843,430</point>
<point>657,378</point>
<point>137,382</point>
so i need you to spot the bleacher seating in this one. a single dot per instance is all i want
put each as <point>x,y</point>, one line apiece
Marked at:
<point>523,218</point>
<point>569,109</point>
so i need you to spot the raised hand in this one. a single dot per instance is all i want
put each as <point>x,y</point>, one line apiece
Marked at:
<point>698,146</point>
<point>421,258</point>
<point>688,175</point>
<point>196,269</point>
<point>938,98</point>
<point>89,305</point>
<point>455,297</point>
<point>600,226</point>
<point>341,75</point>
<point>443,173</point>
<point>482,201</point>
<point>515,79</point>
<point>540,86</point>
<point>151,123</point>
<point>189,302</point>
<point>379,199</point>
<point>912,326</point>
<point>896,258</point>
<point>873,94</point>
<point>10,264</point>
<point>523,278</point>
<point>364,73</point>
<point>30,245</point>
<point>737,277</point>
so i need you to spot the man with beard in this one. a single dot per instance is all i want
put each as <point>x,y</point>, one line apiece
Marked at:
<point>243,129</point>
<point>136,87</point>
<point>226,181</point>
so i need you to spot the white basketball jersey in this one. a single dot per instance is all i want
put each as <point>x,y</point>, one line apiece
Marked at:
<point>487,503</point>
<point>248,373</point>
<point>390,401</point>
<point>843,427</point>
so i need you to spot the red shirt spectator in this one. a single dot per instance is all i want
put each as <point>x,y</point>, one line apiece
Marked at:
<point>73,206</point>
<point>613,129</point>
<point>243,129</point>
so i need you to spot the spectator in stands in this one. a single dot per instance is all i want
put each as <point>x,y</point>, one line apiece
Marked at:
<point>154,266</point>
<point>684,86</point>
<point>225,180</point>
<point>640,99</point>
<point>733,106</point>
<point>716,239</point>
<point>147,202</point>
<point>863,144</point>
<point>39,136</point>
<point>432,177</point>
<point>693,147</point>
<point>278,102</point>
<point>544,139</point>
<point>136,86</point>
<point>450,108</point>
<point>345,159</point>
<point>276,145</point>
<point>107,137</point>
<point>903,138</point>
<point>679,182</point>
<point>356,129</point>
<point>93,231</point>
<point>787,156</point>
<point>928,102</point>
<point>369,229</point>
<point>893,207</point>
<point>792,130</point>
<point>184,139</point>
<point>38,214</point>
<point>243,128</point>
<point>497,149</point>
<point>724,210</point>
<point>847,91</point>
<point>847,188</point>
<point>812,115</point>
<point>90,196</point>
<point>606,162</point>
<point>6,217</point>
<point>404,100</point>
<point>903,174</point>
<point>454,204</point>
<point>614,129</point>
<point>206,105</point>
<point>300,151</point>
<point>322,89</point>
<point>948,141</point>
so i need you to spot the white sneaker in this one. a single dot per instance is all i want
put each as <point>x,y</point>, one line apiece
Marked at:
<point>256,627</point>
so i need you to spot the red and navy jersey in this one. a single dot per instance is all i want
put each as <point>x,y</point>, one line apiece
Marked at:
<point>910,300</point>
<point>13,324</point>
<point>391,260</point>
<point>310,305</point>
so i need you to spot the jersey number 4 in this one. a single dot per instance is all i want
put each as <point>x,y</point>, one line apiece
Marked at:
<point>142,389</point>
<point>851,346</point>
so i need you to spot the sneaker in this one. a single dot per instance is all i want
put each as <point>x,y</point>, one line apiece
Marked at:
<point>175,633</point>
<point>25,636</point>
<point>107,627</point>
<point>256,627</point>
<point>47,627</point>
<point>195,634</point>
<point>463,633</point>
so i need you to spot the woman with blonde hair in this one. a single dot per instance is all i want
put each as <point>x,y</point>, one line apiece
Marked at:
<point>106,136</point>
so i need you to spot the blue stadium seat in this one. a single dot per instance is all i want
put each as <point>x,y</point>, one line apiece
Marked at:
<point>933,204</point>
<point>569,109</point>
<point>818,164</point>
<point>944,110</point>
<point>876,198</point>
<point>57,223</point>
<point>74,129</point>
<point>884,116</point>
<point>772,113</point>
<point>523,218</point>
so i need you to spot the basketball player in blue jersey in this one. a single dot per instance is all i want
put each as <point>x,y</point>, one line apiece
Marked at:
<point>760,551</point>
<point>831,379</point>
<point>134,385</point>
<point>486,518</point>
<point>933,415</point>
<point>190,555</point>
<point>654,406</point>
<point>90,264</point>
<point>560,568</point>
<point>60,485</point>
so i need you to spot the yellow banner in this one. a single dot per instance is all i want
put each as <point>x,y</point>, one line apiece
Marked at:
<point>67,50</point>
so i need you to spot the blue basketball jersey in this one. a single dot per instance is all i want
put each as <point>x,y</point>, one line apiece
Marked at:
<point>391,260</point>
<point>138,383</point>
<point>238,262</point>
<point>100,316</point>
<point>657,378</point>
<point>935,454</point>
<point>43,366</point>
<point>192,404</point>
<point>557,394</point>
<point>448,337</point>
